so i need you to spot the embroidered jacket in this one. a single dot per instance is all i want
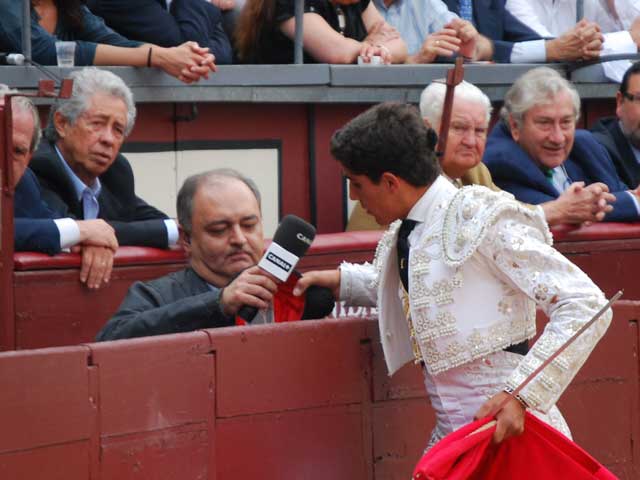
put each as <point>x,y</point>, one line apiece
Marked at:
<point>479,264</point>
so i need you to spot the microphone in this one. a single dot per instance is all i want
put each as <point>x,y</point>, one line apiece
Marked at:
<point>290,242</point>
<point>319,303</point>
<point>11,59</point>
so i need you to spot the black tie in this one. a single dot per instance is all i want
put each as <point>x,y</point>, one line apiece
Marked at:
<point>403,250</point>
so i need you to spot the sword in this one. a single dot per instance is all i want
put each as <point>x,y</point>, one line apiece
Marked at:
<point>552,357</point>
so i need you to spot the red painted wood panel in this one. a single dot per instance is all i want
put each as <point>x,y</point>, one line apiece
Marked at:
<point>401,430</point>
<point>153,383</point>
<point>251,122</point>
<point>154,123</point>
<point>69,461</point>
<point>44,398</point>
<point>168,454</point>
<point>54,308</point>
<point>311,444</point>
<point>319,362</point>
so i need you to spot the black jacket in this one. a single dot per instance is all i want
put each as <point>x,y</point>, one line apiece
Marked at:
<point>607,132</point>
<point>182,302</point>
<point>135,221</point>
<point>178,302</point>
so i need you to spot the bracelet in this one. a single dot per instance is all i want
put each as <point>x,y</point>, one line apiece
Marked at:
<point>149,57</point>
<point>510,391</point>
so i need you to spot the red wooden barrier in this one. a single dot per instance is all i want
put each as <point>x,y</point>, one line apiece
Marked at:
<point>53,308</point>
<point>305,400</point>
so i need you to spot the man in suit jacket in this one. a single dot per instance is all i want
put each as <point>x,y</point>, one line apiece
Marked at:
<point>620,135</point>
<point>494,21</point>
<point>466,141</point>
<point>80,168</point>
<point>455,278</point>
<point>167,23</point>
<point>221,231</point>
<point>36,226</point>
<point>536,153</point>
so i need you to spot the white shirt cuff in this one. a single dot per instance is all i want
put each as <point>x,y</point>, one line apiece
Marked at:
<point>618,42</point>
<point>635,202</point>
<point>532,51</point>
<point>172,232</point>
<point>69,232</point>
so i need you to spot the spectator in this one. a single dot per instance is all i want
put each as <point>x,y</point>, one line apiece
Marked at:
<point>167,23</point>
<point>620,135</point>
<point>552,18</point>
<point>536,153</point>
<point>461,163</point>
<point>221,231</point>
<point>432,31</point>
<point>334,32</point>
<point>515,42</point>
<point>79,166</point>
<point>36,226</point>
<point>96,44</point>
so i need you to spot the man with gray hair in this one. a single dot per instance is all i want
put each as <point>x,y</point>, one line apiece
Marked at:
<point>81,170</point>
<point>537,153</point>
<point>36,226</point>
<point>221,231</point>
<point>466,140</point>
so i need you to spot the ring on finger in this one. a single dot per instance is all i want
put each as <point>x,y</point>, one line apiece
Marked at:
<point>437,42</point>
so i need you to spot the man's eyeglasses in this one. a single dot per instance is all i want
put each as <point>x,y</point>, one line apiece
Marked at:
<point>634,97</point>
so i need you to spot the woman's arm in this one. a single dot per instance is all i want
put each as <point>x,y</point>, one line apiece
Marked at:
<point>321,41</point>
<point>187,62</point>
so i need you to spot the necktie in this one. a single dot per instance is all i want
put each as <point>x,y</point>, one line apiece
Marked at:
<point>90,207</point>
<point>403,250</point>
<point>466,10</point>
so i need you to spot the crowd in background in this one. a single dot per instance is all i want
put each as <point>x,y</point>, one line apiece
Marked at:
<point>187,38</point>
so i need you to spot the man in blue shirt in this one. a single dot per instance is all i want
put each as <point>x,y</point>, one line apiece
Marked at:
<point>80,166</point>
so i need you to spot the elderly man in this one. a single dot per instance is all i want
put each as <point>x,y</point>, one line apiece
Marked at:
<point>536,153</point>
<point>80,168</point>
<point>620,135</point>
<point>221,231</point>
<point>470,115</point>
<point>454,280</point>
<point>36,226</point>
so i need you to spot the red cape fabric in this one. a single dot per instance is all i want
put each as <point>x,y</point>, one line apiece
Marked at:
<point>286,306</point>
<point>541,452</point>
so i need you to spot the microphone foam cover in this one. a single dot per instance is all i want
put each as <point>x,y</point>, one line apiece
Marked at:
<point>294,235</point>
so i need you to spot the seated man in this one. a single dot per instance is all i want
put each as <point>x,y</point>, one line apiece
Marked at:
<point>79,167</point>
<point>461,163</point>
<point>620,135</point>
<point>536,153</point>
<point>36,226</point>
<point>167,23</point>
<point>515,42</point>
<point>221,231</point>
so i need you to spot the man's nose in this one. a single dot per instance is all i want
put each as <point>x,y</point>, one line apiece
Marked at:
<point>556,134</point>
<point>107,136</point>
<point>237,235</point>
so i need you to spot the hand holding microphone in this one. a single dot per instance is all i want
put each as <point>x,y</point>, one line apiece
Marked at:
<point>252,288</point>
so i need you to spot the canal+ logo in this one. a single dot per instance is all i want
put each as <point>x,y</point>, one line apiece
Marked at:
<point>279,262</point>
